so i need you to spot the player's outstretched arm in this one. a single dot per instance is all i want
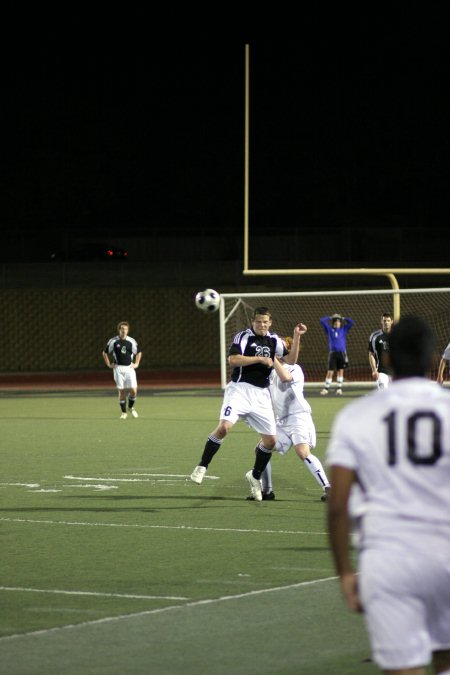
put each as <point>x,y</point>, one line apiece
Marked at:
<point>299,330</point>
<point>283,374</point>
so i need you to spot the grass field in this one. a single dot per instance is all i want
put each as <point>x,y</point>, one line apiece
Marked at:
<point>114,562</point>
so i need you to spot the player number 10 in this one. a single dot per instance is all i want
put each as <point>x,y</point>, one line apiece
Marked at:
<point>435,448</point>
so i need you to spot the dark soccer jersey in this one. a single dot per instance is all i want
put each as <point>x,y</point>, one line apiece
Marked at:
<point>378,346</point>
<point>123,351</point>
<point>249,344</point>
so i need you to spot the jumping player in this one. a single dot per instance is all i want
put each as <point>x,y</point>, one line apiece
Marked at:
<point>247,396</point>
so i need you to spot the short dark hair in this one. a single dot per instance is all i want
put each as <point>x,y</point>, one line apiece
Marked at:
<point>123,323</point>
<point>261,310</point>
<point>411,347</point>
<point>386,315</point>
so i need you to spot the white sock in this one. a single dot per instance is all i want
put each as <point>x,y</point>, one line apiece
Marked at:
<point>327,384</point>
<point>339,382</point>
<point>266,478</point>
<point>315,467</point>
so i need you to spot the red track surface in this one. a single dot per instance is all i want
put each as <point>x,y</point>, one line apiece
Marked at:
<point>104,380</point>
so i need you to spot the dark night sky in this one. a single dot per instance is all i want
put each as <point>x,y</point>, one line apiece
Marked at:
<point>136,129</point>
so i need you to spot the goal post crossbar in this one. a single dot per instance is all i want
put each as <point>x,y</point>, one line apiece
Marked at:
<point>387,291</point>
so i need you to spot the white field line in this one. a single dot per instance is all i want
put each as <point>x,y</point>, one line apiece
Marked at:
<point>102,595</point>
<point>161,527</point>
<point>139,480</point>
<point>198,603</point>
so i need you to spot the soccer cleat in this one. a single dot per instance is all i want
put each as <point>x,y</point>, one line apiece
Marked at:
<point>339,392</point>
<point>266,496</point>
<point>134,412</point>
<point>324,392</point>
<point>198,474</point>
<point>255,486</point>
<point>325,495</point>
<point>123,416</point>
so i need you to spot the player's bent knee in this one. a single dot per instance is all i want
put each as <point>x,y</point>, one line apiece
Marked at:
<point>303,450</point>
<point>269,442</point>
<point>223,428</point>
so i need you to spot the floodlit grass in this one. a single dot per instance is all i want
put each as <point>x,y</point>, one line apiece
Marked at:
<point>114,562</point>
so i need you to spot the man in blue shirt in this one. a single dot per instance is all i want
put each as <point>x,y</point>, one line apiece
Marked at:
<point>336,327</point>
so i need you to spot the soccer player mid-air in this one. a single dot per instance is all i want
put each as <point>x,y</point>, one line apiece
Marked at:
<point>247,396</point>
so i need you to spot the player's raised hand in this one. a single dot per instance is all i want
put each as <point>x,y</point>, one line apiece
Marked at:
<point>300,329</point>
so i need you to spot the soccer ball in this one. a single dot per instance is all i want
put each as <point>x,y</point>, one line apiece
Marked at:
<point>208,301</point>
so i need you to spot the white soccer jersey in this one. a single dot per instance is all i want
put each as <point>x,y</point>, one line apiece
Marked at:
<point>287,397</point>
<point>398,442</point>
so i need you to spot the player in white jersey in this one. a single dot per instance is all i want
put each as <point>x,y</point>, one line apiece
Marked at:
<point>396,445</point>
<point>295,426</point>
<point>444,365</point>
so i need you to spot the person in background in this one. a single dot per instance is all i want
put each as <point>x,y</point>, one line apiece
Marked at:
<point>444,365</point>
<point>378,348</point>
<point>336,327</point>
<point>394,445</point>
<point>123,355</point>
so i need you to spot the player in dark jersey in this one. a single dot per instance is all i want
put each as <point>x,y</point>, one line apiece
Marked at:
<point>247,396</point>
<point>123,355</point>
<point>378,346</point>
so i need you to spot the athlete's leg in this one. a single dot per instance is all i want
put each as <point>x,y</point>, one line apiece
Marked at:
<point>263,454</point>
<point>339,381</point>
<point>132,395</point>
<point>313,464</point>
<point>327,383</point>
<point>122,399</point>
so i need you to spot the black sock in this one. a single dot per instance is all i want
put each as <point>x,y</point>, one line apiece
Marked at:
<point>131,402</point>
<point>211,447</point>
<point>123,406</point>
<point>261,461</point>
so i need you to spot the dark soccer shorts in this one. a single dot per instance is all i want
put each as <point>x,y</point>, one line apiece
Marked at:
<point>337,360</point>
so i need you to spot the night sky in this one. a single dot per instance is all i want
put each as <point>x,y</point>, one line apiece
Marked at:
<point>111,127</point>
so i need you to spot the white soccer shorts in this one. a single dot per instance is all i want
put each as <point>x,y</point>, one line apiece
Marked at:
<point>293,430</point>
<point>250,403</point>
<point>406,600</point>
<point>125,377</point>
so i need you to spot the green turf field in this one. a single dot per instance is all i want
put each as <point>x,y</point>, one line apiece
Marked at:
<point>114,562</point>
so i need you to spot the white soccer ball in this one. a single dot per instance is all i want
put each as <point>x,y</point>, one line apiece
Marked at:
<point>208,300</point>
